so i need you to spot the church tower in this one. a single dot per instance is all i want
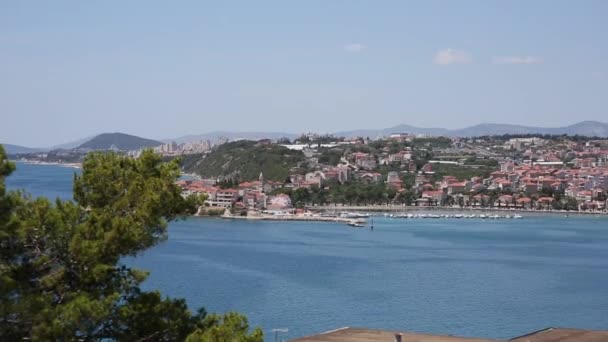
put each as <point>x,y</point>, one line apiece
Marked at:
<point>261,180</point>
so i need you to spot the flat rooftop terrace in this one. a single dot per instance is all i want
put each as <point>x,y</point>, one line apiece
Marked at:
<point>368,335</point>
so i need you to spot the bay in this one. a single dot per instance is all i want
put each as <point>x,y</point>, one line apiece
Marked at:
<point>485,278</point>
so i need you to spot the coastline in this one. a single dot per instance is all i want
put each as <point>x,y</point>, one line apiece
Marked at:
<point>36,162</point>
<point>402,209</point>
<point>333,219</point>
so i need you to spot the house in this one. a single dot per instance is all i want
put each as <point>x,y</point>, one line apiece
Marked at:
<point>524,202</point>
<point>316,177</point>
<point>366,163</point>
<point>279,202</point>
<point>504,201</point>
<point>400,157</point>
<point>433,197</point>
<point>457,187</point>
<point>503,185</point>
<point>545,202</point>
<point>369,177</point>
<point>392,176</point>
<point>224,198</point>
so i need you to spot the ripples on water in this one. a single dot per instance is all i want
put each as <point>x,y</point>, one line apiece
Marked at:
<point>463,277</point>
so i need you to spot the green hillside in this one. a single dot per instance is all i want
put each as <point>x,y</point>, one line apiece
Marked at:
<point>121,141</point>
<point>247,157</point>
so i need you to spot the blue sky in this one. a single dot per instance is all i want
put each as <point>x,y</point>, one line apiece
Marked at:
<point>159,69</point>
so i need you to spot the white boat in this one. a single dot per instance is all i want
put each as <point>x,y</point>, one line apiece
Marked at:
<point>354,215</point>
<point>517,216</point>
<point>356,224</point>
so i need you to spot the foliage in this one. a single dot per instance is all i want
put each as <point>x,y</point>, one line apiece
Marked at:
<point>438,142</point>
<point>284,141</point>
<point>60,271</point>
<point>330,156</point>
<point>461,172</point>
<point>231,327</point>
<point>245,158</point>
<point>349,193</point>
<point>479,161</point>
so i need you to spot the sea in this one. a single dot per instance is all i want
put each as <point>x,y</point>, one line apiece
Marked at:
<point>481,278</point>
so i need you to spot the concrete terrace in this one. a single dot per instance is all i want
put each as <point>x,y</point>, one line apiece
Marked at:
<point>368,335</point>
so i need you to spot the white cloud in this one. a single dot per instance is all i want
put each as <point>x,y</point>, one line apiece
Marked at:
<point>452,56</point>
<point>355,47</point>
<point>517,60</point>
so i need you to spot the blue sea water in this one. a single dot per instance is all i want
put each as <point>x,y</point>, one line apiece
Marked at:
<point>485,278</point>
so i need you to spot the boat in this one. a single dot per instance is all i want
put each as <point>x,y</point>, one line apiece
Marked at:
<point>517,216</point>
<point>355,224</point>
<point>353,215</point>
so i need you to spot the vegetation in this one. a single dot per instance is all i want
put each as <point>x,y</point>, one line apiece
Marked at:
<point>437,142</point>
<point>461,172</point>
<point>244,160</point>
<point>120,141</point>
<point>61,278</point>
<point>349,193</point>
<point>480,161</point>
<point>330,156</point>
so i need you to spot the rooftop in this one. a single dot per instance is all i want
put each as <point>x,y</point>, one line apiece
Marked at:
<point>564,335</point>
<point>368,335</point>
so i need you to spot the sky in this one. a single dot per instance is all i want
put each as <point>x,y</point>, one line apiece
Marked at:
<point>164,69</point>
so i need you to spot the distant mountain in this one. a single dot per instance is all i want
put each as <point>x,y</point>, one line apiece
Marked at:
<point>217,135</point>
<point>586,128</point>
<point>375,133</point>
<point>119,141</point>
<point>71,145</point>
<point>16,149</point>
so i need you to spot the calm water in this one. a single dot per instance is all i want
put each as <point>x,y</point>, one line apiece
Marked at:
<point>464,277</point>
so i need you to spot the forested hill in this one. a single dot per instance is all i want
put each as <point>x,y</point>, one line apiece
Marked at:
<point>119,141</point>
<point>246,157</point>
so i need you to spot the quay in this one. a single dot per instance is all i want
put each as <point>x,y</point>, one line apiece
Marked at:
<point>308,218</point>
<point>401,209</point>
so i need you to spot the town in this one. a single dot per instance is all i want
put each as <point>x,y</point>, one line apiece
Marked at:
<point>519,172</point>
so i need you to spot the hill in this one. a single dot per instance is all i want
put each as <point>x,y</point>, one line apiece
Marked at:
<point>16,149</point>
<point>71,144</point>
<point>218,135</point>
<point>585,128</point>
<point>246,157</point>
<point>120,141</point>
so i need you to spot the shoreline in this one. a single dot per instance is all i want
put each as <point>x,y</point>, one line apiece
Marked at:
<point>290,218</point>
<point>401,209</point>
<point>35,162</point>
